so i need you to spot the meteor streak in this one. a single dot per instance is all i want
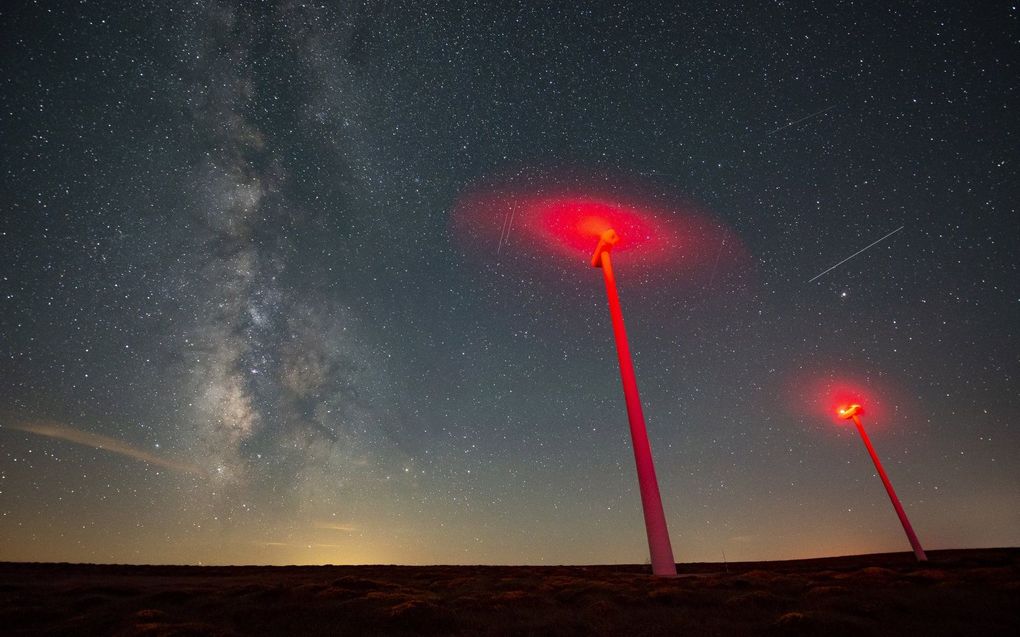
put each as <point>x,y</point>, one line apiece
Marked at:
<point>798,121</point>
<point>504,235</point>
<point>856,253</point>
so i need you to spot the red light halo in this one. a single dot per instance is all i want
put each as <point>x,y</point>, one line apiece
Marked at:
<point>557,217</point>
<point>573,225</point>
<point>816,394</point>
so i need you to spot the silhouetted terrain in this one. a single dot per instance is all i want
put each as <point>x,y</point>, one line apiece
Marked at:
<point>962,592</point>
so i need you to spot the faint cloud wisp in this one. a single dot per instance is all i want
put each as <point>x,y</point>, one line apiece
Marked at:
<point>98,441</point>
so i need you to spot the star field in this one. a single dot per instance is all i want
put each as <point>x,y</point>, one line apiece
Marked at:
<point>238,325</point>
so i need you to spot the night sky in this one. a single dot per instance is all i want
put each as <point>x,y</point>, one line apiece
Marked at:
<point>250,311</point>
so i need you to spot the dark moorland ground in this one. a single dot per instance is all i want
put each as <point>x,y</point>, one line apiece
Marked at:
<point>960,592</point>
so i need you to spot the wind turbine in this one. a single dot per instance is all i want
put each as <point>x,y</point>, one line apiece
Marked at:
<point>852,412</point>
<point>655,519</point>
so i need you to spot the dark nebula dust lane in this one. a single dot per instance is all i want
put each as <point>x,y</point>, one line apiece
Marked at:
<point>297,284</point>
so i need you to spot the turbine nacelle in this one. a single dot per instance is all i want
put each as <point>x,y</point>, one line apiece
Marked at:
<point>607,240</point>
<point>848,412</point>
